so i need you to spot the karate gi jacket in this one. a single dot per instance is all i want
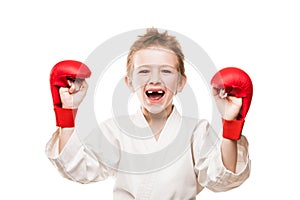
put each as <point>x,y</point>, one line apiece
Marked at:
<point>183,161</point>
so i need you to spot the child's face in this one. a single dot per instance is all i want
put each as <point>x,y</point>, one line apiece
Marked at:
<point>155,78</point>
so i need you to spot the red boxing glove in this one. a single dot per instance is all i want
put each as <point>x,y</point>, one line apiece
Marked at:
<point>236,83</point>
<point>59,76</point>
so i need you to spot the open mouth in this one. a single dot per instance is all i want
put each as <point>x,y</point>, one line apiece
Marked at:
<point>155,94</point>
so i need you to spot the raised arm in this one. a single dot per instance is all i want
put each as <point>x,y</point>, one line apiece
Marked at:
<point>68,88</point>
<point>232,89</point>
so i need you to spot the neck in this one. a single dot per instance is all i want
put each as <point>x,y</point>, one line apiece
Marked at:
<point>157,121</point>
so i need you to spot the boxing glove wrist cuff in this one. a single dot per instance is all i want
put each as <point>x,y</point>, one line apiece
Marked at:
<point>65,117</point>
<point>232,129</point>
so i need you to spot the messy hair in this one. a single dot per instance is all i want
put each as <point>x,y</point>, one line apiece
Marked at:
<point>153,38</point>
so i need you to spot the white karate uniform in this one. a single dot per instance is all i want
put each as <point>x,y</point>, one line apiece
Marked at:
<point>189,170</point>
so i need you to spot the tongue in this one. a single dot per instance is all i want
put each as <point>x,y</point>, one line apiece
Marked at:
<point>155,96</point>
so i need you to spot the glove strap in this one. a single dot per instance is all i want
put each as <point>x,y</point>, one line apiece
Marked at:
<point>65,117</point>
<point>232,129</point>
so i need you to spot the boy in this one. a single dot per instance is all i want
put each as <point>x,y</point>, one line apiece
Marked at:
<point>195,158</point>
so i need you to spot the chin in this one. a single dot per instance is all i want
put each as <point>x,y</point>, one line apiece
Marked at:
<point>156,109</point>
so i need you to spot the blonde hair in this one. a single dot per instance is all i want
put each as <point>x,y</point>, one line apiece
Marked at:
<point>153,38</point>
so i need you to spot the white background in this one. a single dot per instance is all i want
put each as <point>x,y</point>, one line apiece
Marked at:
<point>262,37</point>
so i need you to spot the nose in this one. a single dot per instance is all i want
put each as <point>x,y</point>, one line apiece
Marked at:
<point>155,76</point>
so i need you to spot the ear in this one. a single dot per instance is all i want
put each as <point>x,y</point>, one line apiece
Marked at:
<point>181,83</point>
<point>128,82</point>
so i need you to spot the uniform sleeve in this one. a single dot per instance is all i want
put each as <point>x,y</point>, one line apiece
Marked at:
<point>209,168</point>
<point>75,161</point>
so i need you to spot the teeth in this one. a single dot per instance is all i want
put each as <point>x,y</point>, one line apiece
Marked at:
<point>159,91</point>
